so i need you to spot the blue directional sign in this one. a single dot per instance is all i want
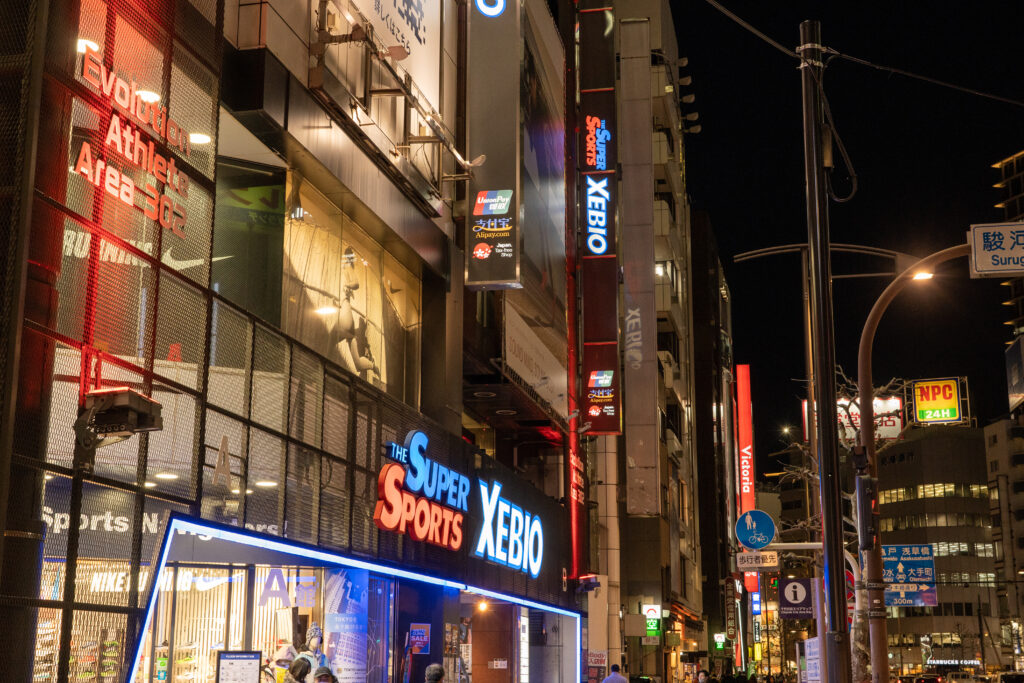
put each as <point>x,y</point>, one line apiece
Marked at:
<point>909,575</point>
<point>755,529</point>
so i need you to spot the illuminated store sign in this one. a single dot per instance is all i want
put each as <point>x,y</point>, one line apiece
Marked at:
<point>133,136</point>
<point>597,139</point>
<point>428,501</point>
<point>601,387</point>
<point>509,535</point>
<point>490,8</point>
<point>598,205</point>
<point>937,401</point>
<point>421,497</point>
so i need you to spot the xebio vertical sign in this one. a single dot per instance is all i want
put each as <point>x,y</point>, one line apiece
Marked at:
<point>747,498</point>
<point>598,187</point>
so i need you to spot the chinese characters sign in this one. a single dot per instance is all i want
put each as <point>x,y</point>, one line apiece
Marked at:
<point>937,401</point>
<point>888,418</point>
<point>997,249</point>
<point>909,574</point>
<point>601,387</point>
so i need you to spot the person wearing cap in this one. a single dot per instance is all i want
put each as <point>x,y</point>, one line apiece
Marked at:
<point>323,675</point>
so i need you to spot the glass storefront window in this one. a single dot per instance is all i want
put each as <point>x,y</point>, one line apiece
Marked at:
<point>306,267</point>
<point>366,622</point>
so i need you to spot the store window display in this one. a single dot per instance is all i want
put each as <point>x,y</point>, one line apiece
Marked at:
<point>313,654</point>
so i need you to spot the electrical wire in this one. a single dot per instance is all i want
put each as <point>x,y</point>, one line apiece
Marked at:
<point>778,46</point>
<point>926,79</point>
<point>835,54</point>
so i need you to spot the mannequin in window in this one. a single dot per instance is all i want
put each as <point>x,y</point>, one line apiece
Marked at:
<point>312,652</point>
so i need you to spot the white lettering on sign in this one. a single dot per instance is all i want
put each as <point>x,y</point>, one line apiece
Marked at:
<point>509,535</point>
<point>598,197</point>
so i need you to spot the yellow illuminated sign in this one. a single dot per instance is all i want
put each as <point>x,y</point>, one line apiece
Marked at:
<point>757,652</point>
<point>937,400</point>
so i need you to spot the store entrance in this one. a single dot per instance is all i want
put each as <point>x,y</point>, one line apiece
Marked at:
<point>227,597</point>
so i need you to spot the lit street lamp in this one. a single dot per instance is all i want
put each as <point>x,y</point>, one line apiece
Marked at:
<point>867,464</point>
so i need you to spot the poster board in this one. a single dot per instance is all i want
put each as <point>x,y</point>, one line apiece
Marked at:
<point>238,666</point>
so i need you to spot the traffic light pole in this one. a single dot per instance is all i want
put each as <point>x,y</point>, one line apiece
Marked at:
<point>836,643</point>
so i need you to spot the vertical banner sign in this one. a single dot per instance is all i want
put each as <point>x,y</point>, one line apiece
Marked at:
<point>493,244</point>
<point>745,467</point>
<point>598,187</point>
<point>640,368</point>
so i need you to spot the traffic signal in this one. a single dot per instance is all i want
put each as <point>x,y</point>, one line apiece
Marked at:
<point>867,512</point>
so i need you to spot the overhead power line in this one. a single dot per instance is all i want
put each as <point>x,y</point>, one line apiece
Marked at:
<point>926,79</point>
<point>863,62</point>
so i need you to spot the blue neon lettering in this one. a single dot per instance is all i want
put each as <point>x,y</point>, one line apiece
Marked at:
<point>419,464</point>
<point>598,197</point>
<point>509,535</point>
<point>499,542</point>
<point>485,544</point>
<point>491,9</point>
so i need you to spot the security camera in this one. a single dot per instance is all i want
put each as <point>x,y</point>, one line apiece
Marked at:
<point>109,416</point>
<point>120,412</point>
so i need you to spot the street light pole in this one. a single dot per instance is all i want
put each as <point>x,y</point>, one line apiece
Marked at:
<point>872,561</point>
<point>836,644</point>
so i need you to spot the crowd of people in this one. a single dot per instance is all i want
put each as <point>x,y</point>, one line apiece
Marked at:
<point>704,677</point>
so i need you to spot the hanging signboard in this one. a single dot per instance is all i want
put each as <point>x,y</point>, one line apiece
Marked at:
<point>492,237</point>
<point>598,189</point>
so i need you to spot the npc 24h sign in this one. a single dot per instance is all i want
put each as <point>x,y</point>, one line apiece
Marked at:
<point>997,249</point>
<point>909,575</point>
<point>755,529</point>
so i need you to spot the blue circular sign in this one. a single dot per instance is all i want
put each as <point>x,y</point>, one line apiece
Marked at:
<point>755,529</point>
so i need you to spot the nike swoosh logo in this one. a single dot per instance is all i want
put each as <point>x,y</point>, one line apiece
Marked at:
<point>185,264</point>
<point>204,584</point>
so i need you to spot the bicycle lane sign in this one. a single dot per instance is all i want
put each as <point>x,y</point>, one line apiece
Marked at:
<point>755,529</point>
<point>909,574</point>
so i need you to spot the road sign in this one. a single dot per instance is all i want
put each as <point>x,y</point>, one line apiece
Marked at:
<point>755,529</point>
<point>909,572</point>
<point>795,599</point>
<point>758,561</point>
<point>997,249</point>
<point>937,401</point>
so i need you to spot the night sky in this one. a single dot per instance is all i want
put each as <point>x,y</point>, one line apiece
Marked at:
<point>923,155</point>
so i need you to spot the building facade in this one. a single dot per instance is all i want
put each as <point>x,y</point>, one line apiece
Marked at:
<point>934,489</point>
<point>256,216</point>
<point>649,555</point>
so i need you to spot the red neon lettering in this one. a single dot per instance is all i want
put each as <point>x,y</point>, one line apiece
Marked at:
<point>400,511</point>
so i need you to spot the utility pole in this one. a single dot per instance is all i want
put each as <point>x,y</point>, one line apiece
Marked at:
<point>836,643</point>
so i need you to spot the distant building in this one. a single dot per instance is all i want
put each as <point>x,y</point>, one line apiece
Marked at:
<point>1011,187</point>
<point>934,489</point>
<point>1004,455</point>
